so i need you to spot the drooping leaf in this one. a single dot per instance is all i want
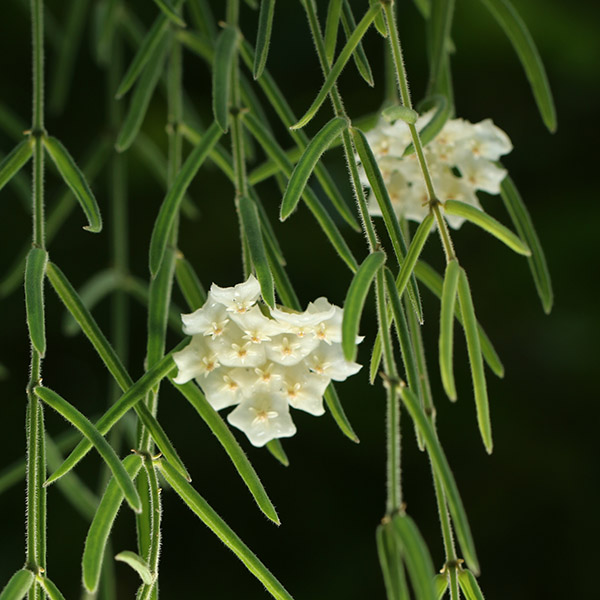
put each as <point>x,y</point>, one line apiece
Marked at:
<point>188,283</point>
<point>76,181</point>
<point>334,13</point>
<point>475,360</point>
<point>434,125</point>
<point>440,584</point>
<point>307,163</point>
<point>469,586</point>
<point>170,12</point>
<point>214,522</point>
<point>172,202</point>
<point>439,26</point>
<point>355,301</point>
<point>15,161</point>
<point>49,587</point>
<point>225,50</point>
<point>488,223</point>
<point>524,226</point>
<point>518,34</point>
<point>360,58</point>
<point>391,563</point>
<point>95,542</point>
<point>263,36</point>
<point>137,563</point>
<point>446,346</point>
<point>35,268</point>
<point>18,585</point>
<point>337,412</point>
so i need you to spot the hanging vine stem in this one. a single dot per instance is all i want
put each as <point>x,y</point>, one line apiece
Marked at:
<point>36,452</point>
<point>402,80</point>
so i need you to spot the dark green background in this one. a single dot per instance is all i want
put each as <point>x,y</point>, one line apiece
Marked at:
<point>532,504</point>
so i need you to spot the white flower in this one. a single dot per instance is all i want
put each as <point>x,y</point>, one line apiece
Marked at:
<point>221,388</point>
<point>256,327</point>
<point>304,390</point>
<point>239,298</point>
<point>197,359</point>
<point>289,349</point>
<point>329,361</point>
<point>210,320</point>
<point>263,417</point>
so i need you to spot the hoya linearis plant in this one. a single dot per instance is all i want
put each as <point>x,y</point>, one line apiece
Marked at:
<point>411,162</point>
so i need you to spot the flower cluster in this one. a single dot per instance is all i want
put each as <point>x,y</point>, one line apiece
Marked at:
<point>461,159</point>
<point>262,363</point>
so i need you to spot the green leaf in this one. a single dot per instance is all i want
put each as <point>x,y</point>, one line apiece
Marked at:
<point>252,229</point>
<point>397,111</point>
<point>334,10</point>
<point>138,564</point>
<point>433,281</point>
<point>49,588</point>
<point>97,537</point>
<point>442,469</point>
<point>15,161</point>
<point>132,396</point>
<point>414,251</point>
<point>71,414</point>
<point>223,434</point>
<point>275,447</point>
<point>359,56</point>
<point>307,163</point>
<point>263,36</point>
<point>142,94</point>
<point>225,50</point>
<point>340,63</point>
<point>172,202</point>
<point>518,34</point>
<point>447,328</point>
<point>443,110</point>
<point>337,412</point>
<point>355,301</point>
<point>424,7</point>
<point>523,224</point>
<point>475,360</point>
<point>170,12</point>
<point>188,283</point>
<point>18,585</point>
<point>488,223</point>
<point>391,564</point>
<point>469,586</point>
<point>214,522</point>
<point>390,219</point>
<point>35,268</point>
<point>440,584</point>
<point>439,27</point>
<point>76,181</point>
<point>379,20</point>
<point>416,556</point>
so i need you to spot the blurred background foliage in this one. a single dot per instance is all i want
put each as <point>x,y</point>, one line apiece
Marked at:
<point>532,504</point>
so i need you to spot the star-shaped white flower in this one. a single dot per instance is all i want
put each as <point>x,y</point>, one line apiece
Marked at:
<point>210,320</point>
<point>239,298</point>
<point>328,361</point>
<point>289,349</point>
<point>263,417</point>
<point>221,389</point>
<point>304,390</point>
<point>197,359</point>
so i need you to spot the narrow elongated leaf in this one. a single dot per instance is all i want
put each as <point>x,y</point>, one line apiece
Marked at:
<point>355,301</point>
<point>142,95</point>
<point>469,586</point>
<point>95,542</point>
<point>18,585</point>
<point>307,163</point>
<point>359,56</point>
<point>416,556</point>
<point>390,219</point>
<point>448,308</point>
<point>172,202</point>
<point>340,63</point>
<point>223,434</point>
<point>488,223</point>
<point>263,36</point>
<point>379,20</point>
<point>76,181</point>
<point>440,584</point>
<point>71,414</point>
<point>188,283</point>
<point>137,563</point>
<point>334,12</point>
<point>443,110</point>
<point>337,412</point>
<point>516,31</point>
<point>424,7</point>
<point>433,281</point>
<point>475,360</point>
<point>225,50</point>
<point>442,468</point>
<point>35,268</point>
<point>414,251</point>
<point>391,563</point>
<point>440,25</point>
<point>214,522</point>
<point>49,588</point>
<point>170,12</point>
<point>276,449</point>
<point>524,226</point>
<point>251,226</point>
<point>15,161</point>
<point>132,396</point>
